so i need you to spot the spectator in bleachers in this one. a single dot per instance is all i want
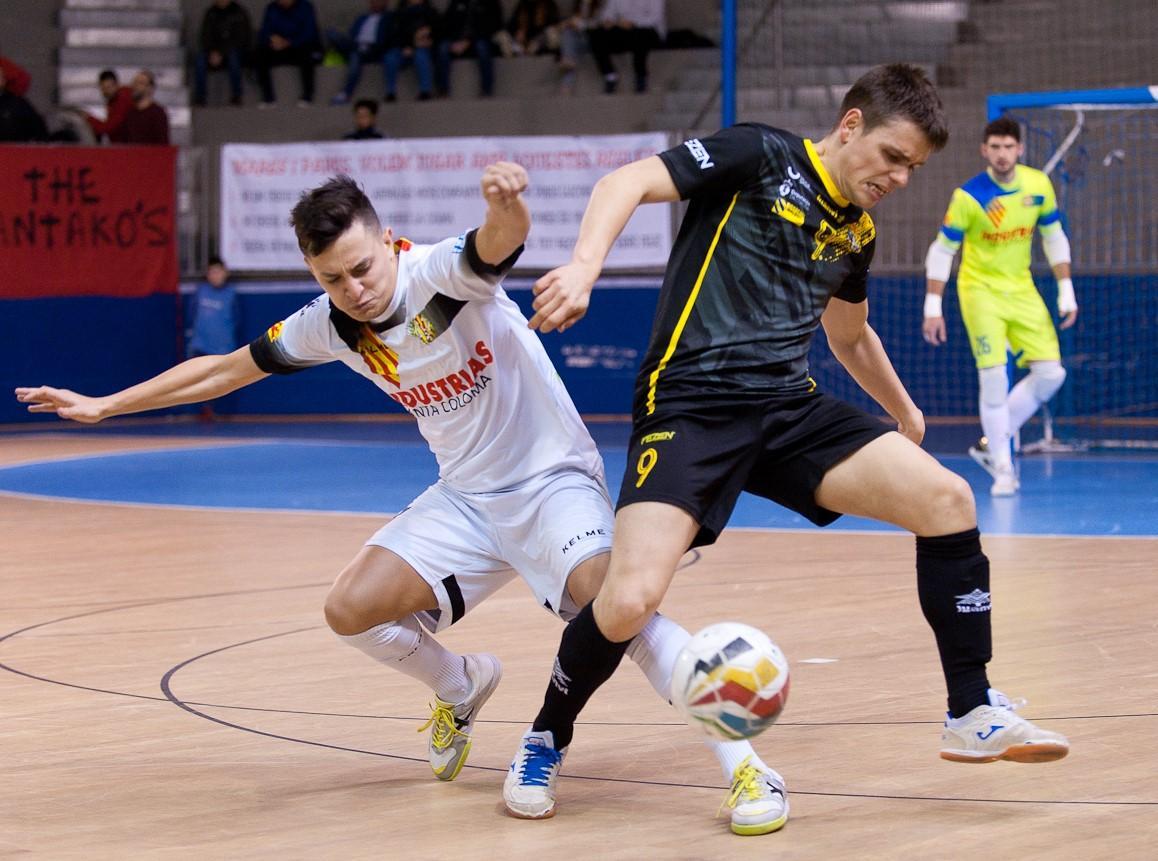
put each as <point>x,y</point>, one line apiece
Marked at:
<point>365,43</point>
<point>224,42</point>
<point>19,121</point>
<point>18,78</point>
<point>365,122</point>
<point>533,29</point>
<point>288,37</point>
<point>118,103</point>
<point>573,42</point>
<point>147,122</point>
<point>635,26</point>
<point>468,28</point>
<point>412,43</point>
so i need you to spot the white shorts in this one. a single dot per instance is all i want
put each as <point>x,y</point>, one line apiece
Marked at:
<point>469,545</point>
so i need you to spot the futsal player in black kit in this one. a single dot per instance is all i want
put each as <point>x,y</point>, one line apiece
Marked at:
<point>777,240</point>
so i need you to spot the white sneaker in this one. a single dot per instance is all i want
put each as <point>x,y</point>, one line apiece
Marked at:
<point>995,731</point>
<point>1005,483</point>
<point>529,790</point>
<point>451,723</point>
<point>758,799</point>
<point>983,456</point>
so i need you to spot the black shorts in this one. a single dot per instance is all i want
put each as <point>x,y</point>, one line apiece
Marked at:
<point>700,458</point>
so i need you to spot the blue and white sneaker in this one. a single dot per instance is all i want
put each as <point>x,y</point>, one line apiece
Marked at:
<point>529,790</point>
<point>995,731</point>
<point>450,724</point>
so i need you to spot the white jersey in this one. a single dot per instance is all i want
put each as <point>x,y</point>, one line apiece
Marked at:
<point>456,352</point>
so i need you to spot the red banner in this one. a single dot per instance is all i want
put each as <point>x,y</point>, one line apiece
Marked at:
<point>87,221</point>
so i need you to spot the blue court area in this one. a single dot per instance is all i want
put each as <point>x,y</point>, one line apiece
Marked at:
<point>375,468</point>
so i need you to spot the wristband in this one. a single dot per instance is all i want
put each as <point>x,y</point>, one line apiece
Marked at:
<point>932,305</point>
<point>1066,300</point>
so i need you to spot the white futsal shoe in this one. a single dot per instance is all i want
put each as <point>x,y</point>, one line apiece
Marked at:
<point>451,723</point>
<point>995,731</point>
<point>1005,482</point>
<point>758,799</point>
<point>529,790</point>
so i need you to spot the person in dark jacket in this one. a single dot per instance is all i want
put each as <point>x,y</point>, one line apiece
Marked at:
<point>147,122</point>
<point>288,37</point>
<point>365,43</point>
<point>468,27</point>
<point>19,121</point>
<point>365,119</point>
<point>412,42</point>
<point>223,44</point>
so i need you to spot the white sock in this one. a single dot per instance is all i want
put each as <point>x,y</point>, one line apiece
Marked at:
<point>406,646</point>
<point>654,651</point>
<point>995,414</point>
<point>1022,403</point>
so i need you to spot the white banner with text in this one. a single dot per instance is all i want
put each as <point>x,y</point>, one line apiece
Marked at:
<point>428,189</point>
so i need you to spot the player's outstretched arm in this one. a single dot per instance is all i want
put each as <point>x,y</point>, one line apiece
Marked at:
<point>563,294</point>
<point>859,349</point>
<point>201,379</point>
<point>508,220</point>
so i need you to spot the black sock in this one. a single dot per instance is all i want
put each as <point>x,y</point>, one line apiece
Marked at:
<point>953,586</point>
<point>586,659</point>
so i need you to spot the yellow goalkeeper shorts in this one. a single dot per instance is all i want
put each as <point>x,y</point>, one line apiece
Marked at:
<point>1019,318</point>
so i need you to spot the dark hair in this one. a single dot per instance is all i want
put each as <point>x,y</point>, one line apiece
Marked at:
<point>1003,127</point>
<point>324,213</point>
<point>108,75</point>
<point>214,260</point>
<point>369,104</point>
<point>899,91</point>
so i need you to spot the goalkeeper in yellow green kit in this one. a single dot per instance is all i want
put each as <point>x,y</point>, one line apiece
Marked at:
<point>994,214</point>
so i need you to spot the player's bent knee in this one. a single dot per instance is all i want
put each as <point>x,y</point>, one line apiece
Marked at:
<point>1046,378</point>
<point>349,610</point>
<point>623,615</point>
<point>950,507</point>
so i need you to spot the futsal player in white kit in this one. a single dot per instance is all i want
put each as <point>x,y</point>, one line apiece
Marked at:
<point>520,490</point>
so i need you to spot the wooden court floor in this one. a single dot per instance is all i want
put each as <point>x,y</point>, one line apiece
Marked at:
<point>169,690</point>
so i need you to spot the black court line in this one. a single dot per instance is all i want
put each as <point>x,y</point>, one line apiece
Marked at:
<point>192,708</point>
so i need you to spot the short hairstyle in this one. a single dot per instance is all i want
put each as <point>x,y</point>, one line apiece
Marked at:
<point>324,213</point>
<point>369,104</point>
<point>214,260</point>
<point>1003,127</point>
<point>149,76</point>
<point>899,91</point>
<point>108,75</point>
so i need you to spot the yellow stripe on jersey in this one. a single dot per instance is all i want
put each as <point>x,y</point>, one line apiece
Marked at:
<point>687,312</point>
<point>822,172</point>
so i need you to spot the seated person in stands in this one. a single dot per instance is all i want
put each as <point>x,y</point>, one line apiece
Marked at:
<point>634,26</point>
<point>19,121</point>
<point>365,122</point>
<point>573,42</point>
<point>118,103</point>
<point>288,37</point>
<point>18,78</point>
<point>223,43</point>
<point>412,43</point>
<point>147,122</point>
<point>533,29</point>
<point>365,43</point>
<point>468,27</point>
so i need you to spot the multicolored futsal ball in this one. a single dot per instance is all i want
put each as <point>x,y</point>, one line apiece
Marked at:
<point>730,681</point>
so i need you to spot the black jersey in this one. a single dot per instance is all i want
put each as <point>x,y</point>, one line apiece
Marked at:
<point>766,242</point>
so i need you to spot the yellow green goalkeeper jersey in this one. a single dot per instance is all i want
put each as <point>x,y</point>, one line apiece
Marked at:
<point>996,223</point>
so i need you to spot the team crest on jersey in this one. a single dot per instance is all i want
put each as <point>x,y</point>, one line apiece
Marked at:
<point>788,211</point>
<point>274,331</point>
<point>378,357</point>
<point>995,211</point>
<point>833,243</point>
<point>422,329</point>
<point>1033,200</point>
